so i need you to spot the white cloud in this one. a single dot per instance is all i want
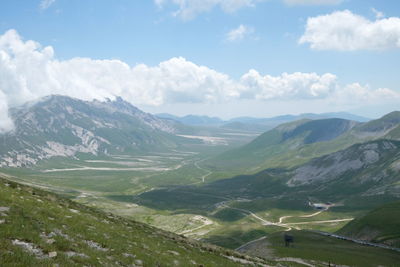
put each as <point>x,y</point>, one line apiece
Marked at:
<point>357,93</point>
<point>159,3</point>
<point>345,31</point>
<point>312,2</point>
<point>378,14</point>
<point>6,123</point>
<point>45,4</point>
<point>288,86</point>
<point>29,71</point>
<point>239,33</point>
<point>189,9</point>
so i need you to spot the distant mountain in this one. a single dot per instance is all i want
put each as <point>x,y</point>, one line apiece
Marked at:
<point>195,120</point>
<point>63,126</point>
<point>244,126</point>
<point>302,132</point>
<point>313,116</point>
<point>265,124</point>
<point>256,124</point>
<point>346,116</point>
<point>381,225</point>
<point>296,142</point>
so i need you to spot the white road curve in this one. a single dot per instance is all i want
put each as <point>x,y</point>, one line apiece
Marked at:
<point>196,164</point>
<point>251,242</point>
<point>317,222</point>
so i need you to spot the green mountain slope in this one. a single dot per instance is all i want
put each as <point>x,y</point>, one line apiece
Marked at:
<point>38,228</point>
<point>381,225</point>
<point>387,122</point>
<point>348,183</point>
<point>367,169</point>
<point>297,142</point>
<point>289,143</point>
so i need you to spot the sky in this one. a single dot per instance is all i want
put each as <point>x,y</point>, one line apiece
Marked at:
<point>223,58</point>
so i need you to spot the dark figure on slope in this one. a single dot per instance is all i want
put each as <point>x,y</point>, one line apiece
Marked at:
<point>288,239</point>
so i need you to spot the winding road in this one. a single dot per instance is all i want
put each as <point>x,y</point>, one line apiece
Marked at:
<point>288,226</point>
<point>196,164</point>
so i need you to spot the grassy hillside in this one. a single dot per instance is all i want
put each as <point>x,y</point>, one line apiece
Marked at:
<point>354,181</point>
<point>383,124</point>
<point>287,145</point>
<point>295,143</point>
<point>37,228</point>
<point>382,225</point>
<point>368,171</point>
<point>318,250</point>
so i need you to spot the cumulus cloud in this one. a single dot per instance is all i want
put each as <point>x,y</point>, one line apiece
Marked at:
<point>45,4</point>
<point>357,93</point>
<point>345,31</point>
<point>29,71</point>
<point>6,123</point>
<point>189,9</point>
<point>239,33</point>
<point>378,14</point>
<point>288,86</point>
<point>312,2</point>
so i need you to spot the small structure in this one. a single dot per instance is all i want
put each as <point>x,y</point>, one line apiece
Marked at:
<point>321,206</point>
<point>288,239</point>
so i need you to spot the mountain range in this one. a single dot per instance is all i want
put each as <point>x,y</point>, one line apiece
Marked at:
<point>257,124</point>
<point>63,126</point>
<point>292,143</point>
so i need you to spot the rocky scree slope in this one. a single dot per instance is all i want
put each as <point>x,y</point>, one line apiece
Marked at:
<point>382,155</point>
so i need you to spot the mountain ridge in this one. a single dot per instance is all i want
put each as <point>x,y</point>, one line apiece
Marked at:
<point>64,126</point>
<point>261,123</point>
<point>296,142</point>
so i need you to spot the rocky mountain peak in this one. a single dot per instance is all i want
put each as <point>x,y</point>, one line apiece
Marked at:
<point>63,126</point>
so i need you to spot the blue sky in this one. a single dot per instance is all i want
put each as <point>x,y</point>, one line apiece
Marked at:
<point>228,38</point>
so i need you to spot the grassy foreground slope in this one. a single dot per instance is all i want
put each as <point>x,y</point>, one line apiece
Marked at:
<point>381,225</point>
<point>38,228</point>
<point>319,250</point>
